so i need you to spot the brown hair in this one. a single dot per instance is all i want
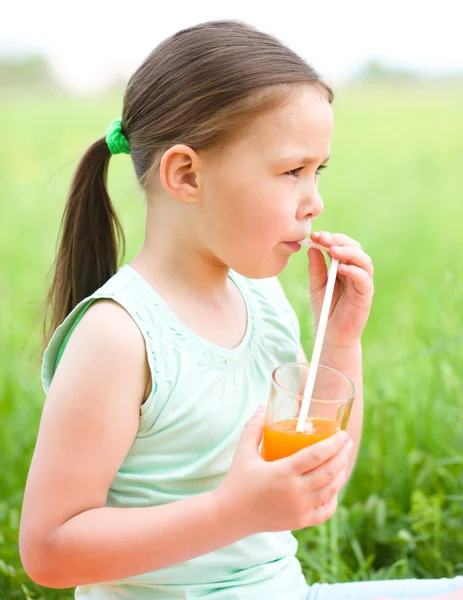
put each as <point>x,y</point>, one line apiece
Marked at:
<point>199,87</point>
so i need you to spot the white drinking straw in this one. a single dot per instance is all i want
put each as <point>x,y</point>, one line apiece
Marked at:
<point>311,244</point>
<point>318,339</point>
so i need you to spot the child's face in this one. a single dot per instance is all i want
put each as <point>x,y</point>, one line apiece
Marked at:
<point>250,206</point>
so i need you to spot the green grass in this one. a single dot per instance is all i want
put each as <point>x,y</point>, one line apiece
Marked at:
<point>395,184</point>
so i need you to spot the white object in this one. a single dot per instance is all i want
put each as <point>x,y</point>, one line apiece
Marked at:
<point>311,244</point>
<point>317,349</point>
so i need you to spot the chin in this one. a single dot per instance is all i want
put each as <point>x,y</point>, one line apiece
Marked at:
<point>261,271</point>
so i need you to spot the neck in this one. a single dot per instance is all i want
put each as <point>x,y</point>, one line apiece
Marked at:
<point>173,260</point>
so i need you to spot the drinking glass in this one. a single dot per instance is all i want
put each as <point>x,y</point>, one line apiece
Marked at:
<point>329,410</point>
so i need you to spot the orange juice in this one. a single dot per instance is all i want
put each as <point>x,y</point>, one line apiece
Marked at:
<point>281,439</point>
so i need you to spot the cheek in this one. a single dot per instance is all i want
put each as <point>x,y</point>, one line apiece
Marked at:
<point>241,212</point>
<point>265,221</point>
<point>263,213</point>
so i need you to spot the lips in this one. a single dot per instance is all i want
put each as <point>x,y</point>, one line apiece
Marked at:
<point>294,246</point>
<point>298,241</point>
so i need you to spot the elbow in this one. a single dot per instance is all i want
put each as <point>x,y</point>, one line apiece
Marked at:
<point>32,561</point>
<point>42,579</point>
<point>41,575</point>
<point>38,563</point>
<point>28,555</point>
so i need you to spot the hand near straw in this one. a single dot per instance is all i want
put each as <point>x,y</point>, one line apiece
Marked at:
<point>353,288</point>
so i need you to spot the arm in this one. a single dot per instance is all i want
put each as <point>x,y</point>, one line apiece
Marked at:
<point>68,536</point>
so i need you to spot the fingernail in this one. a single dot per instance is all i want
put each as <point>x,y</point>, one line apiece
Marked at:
<point>338,249</point>
<point>327,236</point>
<point>260,409</point>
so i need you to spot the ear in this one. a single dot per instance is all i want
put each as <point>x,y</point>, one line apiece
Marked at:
<point>180,173</point>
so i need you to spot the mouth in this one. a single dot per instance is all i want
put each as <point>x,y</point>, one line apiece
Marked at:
<point>293,246</point>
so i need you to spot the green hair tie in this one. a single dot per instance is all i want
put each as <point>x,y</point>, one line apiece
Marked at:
<point>116,140</point>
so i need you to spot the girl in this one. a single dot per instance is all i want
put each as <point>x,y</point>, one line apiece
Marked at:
<point>146,480</point>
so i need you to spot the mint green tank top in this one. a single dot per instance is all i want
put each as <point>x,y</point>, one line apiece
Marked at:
<point>202,396</point>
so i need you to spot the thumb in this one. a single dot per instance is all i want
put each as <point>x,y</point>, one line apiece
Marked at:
<point>252,432</point>
<point>318,277</point>
<point>318,273</point>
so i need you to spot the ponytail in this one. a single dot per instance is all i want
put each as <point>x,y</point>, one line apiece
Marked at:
<point>90,232</point>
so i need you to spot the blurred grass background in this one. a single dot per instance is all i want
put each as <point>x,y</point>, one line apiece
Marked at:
<point>394,183</point>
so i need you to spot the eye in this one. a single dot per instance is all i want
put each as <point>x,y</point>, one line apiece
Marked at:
<point>294,172</point>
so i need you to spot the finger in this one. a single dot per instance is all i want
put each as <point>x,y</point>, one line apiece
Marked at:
<point>252,433</point>
<point>354,255</point>
<point>325,494</point>
<point>333,239</point>
<point>362,282</point>
<point>324,474</point>
<point>318,273</point>
<point>322,513</point>
<point>311,457</point>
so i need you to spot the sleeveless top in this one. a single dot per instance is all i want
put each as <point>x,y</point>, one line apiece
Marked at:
<point>202,396</point>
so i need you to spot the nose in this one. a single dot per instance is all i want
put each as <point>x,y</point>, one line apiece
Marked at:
<point>311,204</point>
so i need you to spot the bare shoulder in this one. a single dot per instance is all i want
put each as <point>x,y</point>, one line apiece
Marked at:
<point>108,319</point>
<point>107,340</point>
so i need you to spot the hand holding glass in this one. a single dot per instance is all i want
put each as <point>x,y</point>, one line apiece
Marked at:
<point>329,410</point>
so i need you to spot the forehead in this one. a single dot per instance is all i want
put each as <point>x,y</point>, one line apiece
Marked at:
<point>305,124</point>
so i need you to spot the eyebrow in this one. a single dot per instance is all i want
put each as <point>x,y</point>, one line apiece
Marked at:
<point>305,160</point>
